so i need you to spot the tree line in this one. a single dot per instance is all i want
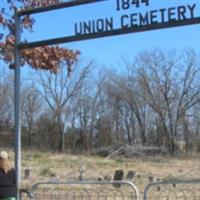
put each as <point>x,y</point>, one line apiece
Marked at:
<point>155,101</point>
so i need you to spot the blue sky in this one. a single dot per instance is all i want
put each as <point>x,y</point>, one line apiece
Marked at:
<point>109,51</point>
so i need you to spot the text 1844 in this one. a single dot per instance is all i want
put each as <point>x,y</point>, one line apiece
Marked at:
<point>126,4</point>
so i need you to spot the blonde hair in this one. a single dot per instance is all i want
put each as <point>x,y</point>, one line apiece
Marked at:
<point>5,165</point>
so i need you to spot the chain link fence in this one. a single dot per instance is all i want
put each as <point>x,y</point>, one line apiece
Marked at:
<point>82,190</point>
<point>173,190</point>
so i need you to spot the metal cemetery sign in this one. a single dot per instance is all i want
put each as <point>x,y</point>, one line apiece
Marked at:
<point>129,16</point>
<point>137,20</point>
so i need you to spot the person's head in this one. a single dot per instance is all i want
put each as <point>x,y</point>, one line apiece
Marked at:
<point>5,164</point>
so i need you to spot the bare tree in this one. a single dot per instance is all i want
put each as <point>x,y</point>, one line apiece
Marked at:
<point>57,91</point>
<point>6,108</point>
<point>171,87</point>
<point>6,101</point>
<point>31,109</point>
<point>129,106</point>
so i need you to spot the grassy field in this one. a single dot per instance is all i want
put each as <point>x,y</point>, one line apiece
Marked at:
<point>46,166</point>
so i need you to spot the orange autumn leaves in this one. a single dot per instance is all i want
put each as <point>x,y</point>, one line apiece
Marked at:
<point>45,58</point>
<point>49,58</point>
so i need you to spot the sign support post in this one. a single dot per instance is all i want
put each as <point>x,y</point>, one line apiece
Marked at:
<point>17,106</point>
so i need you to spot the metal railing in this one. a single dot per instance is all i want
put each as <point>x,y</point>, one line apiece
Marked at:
<point>173,190</point>
<point>83,190</point>
<point>176,189</point>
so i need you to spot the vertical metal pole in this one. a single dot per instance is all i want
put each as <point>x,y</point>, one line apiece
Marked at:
<point>17,106</point>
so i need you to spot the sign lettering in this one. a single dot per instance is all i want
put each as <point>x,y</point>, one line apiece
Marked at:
<point>135,19</point>
<point>126,4</point>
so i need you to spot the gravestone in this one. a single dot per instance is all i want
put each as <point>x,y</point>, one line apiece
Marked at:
<point>118,176</point>
<point>26,173</point>
<point>108,178</point>
<point>130,175</point>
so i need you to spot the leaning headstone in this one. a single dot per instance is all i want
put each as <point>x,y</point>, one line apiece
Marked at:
<point>150,179</point>
<point>138,176</point>
<point>81,171</point>
<point>108,178</point>
<point>130,175</point>
<point>26,173</point>
<point>118,176</point>
<point>158,188</point>
<point>99,179</point>
<point>53,175</point>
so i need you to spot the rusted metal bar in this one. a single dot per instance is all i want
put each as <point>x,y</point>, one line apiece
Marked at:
<point>134,29</point>
<point>56,6</point>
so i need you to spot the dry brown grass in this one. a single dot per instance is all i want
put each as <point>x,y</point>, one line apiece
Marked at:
<point>45,166</point>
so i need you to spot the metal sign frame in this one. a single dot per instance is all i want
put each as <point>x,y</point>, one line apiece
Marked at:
<point>19,46</point>
<point>119,31</point>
